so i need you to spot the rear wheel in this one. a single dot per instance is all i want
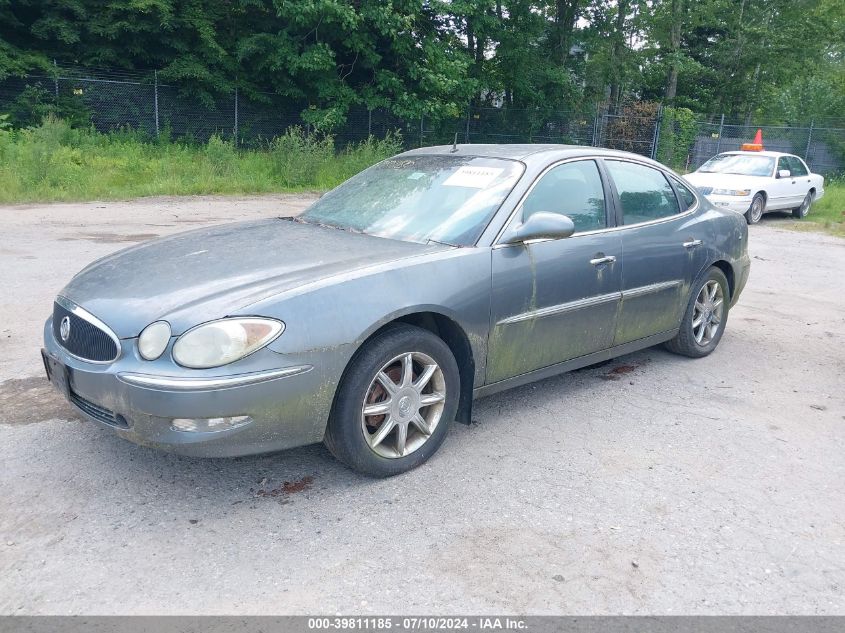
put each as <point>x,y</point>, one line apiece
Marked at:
<point>802,211</point>
<point>756,210</point>
<point>705,317</point>
<point>395,402</point>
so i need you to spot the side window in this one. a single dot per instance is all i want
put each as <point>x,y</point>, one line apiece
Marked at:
<point>687,196</point>
<point>572,189</point>
<point>644,192</point>
<point>783,163</point>
<point>796,166</point>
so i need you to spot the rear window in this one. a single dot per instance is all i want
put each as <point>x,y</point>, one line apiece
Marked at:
<point>687,196</point>
<point>644,192</point>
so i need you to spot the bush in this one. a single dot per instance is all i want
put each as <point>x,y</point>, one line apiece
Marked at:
<point>35,103</point>
<point>297,157</point>
<point>677,137</point>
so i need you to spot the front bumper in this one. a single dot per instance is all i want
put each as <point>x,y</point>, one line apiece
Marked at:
<point>731,203</point>
<point>138,401</point>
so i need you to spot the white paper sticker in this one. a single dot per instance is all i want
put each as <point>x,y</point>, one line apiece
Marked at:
<point>416,175</point>
<point>475,177</point>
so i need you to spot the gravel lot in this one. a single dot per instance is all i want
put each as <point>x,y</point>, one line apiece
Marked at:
<point>655,484</point>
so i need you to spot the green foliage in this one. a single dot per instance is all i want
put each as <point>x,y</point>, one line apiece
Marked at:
<point>35,103</point>
<point>779,59</point>
<point>677,137</point>
<point>54,161</point>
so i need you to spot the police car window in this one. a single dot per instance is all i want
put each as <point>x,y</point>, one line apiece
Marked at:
<point>797,167</point>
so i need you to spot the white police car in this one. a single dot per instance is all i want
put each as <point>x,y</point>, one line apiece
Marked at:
<point>756,182</point>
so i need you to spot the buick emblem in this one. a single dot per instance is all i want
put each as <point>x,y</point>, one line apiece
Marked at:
<point>64,328</point>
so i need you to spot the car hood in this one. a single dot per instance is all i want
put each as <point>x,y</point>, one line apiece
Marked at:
<point>723,181</point>
<point>193,277</point>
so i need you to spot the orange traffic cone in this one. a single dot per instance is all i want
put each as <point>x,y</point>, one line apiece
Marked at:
<point>757,145</point>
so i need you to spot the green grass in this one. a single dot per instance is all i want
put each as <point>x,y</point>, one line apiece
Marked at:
<point>829,212</point>
<point>54,162</point>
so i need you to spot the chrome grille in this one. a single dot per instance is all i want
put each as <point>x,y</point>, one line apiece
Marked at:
<point>85,339</point>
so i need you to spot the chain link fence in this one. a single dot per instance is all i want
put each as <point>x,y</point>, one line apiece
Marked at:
<point>113,99</point>
<point>820,143</point>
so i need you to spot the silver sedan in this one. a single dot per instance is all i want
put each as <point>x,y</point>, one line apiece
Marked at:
<point>373,320</point>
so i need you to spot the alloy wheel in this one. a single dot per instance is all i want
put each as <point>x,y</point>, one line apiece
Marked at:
<point>708,312</point>
<point>403,404</point>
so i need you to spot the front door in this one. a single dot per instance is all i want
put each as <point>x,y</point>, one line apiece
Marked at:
<point>662,245</point>
<point>553,300</point>
<point>784,193</point>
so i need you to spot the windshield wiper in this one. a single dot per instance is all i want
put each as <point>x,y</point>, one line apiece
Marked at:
<point>299,220</point>
<point>430,241</point>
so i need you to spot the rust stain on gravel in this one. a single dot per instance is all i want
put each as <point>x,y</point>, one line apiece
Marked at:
<point>287,488</point>
<point>31,400</point>
<point>110,238</point>
<point>620,370</point>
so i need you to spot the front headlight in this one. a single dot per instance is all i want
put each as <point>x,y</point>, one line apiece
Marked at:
<point>731,192</point>
<point>225,341</point>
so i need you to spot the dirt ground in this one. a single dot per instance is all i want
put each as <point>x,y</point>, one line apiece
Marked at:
<point>653,485</point>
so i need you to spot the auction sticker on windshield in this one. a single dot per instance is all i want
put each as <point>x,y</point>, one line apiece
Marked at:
<point>475,177</point>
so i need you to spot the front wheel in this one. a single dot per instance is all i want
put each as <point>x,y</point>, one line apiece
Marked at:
<point>395,402</point>
<point>705,317</point>
<point>802,211</point>
<point>756,210</point>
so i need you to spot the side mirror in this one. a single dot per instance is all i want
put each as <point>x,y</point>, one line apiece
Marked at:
<point>784,173</point>
<point>540,225</point>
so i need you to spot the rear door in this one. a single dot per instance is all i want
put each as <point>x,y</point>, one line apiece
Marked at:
<point>554,300</point>
<point>662,246</point>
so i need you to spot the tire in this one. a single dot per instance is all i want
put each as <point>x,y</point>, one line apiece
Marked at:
<point>353,437</point>
<point>757,209</point>
<point>801,212</point>
<point>687,341</point>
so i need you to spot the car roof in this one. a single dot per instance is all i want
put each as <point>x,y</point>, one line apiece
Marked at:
<point>762,153</point>
<point>525,152</point>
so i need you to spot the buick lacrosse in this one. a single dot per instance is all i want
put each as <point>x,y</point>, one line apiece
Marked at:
<point>371,321</point>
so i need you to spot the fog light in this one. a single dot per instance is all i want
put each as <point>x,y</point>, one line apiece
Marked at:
<point>153,340</point>
<point>209,425</point>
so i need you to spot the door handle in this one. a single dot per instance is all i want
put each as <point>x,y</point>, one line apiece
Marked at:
<point>692,243</point>
<point>598,261</point>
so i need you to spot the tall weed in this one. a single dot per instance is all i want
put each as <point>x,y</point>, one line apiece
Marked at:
<point>54,161</point>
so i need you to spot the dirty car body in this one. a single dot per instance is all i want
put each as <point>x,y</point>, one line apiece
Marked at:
<point>510,310</point>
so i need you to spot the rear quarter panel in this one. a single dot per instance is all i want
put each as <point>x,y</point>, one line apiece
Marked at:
<point>728,243</point>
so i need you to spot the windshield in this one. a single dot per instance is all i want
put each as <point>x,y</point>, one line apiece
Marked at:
<point>448,199</point>
<point>742,164</point>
